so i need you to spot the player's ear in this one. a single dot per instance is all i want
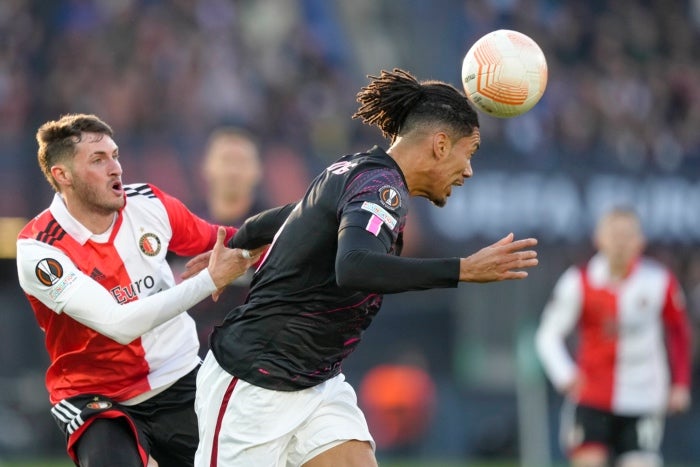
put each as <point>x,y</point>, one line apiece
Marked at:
<point>641,243</point>
<point>61,174</point>
<point>441,144</point>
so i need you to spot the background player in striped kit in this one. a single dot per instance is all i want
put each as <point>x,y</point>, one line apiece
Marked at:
<point>633,357</point>
<point>271,391</point>
<point>123,352</point>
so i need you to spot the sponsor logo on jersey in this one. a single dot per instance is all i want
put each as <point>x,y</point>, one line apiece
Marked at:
<point>339,168</point>
<point>48,271</point>
<point>62,285</point>
<point>380,212</point>
<point>390,197</point>
<point>128,293</point>
<point>149,244</point>
<point>97,275</point>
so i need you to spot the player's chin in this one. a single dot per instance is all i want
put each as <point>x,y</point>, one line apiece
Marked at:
<point>439,202</point>
<point>118,203</point>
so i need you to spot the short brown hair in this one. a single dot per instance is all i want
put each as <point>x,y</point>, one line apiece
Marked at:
<point>57,139</point>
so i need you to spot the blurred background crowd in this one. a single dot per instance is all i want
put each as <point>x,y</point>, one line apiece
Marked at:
<point>619,122</point>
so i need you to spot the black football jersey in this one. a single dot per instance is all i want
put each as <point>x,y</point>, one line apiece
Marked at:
<point>297,324</point>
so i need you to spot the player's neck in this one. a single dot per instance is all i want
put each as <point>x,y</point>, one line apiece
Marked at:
<point>415,169</point>
<point>96,220</point>
<point>619,271</point>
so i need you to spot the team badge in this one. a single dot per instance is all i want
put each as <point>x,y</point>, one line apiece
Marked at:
<point>149,244</point>
<point>48,271</point>
<point>98,405</point>
<point>390,197</point>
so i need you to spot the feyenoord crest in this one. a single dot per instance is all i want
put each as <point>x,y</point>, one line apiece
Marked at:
<point>99,405</point>
<point>149,244</point>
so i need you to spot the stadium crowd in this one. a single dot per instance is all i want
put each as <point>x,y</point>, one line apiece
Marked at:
<point>624,87</point>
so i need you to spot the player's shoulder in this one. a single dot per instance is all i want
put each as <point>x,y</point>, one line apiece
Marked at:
<point>373,158</point>
<point>140,190</point>
<point>650,262</point>
<point>377,165</point>
<point>363,173</point>
<point>573,274</point>
<point>350,164</point>
<point>144,197</point>
<point>651,266</point>
<point>42,227</point>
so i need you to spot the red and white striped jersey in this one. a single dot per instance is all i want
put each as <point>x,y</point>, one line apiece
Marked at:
<point>73,280</point>
<point>633,337</point>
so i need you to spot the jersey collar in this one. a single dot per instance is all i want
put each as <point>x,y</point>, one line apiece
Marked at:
<point>379,152</point>
<point>70,224</point>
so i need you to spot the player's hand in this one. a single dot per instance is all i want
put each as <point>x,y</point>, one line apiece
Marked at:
<point>678,399</point>
<point>196,264</point>
<point>255,255</point>
<point>572,389</point>
<point>201,261</point>
<point>226,264</point>
<point>500,261</point>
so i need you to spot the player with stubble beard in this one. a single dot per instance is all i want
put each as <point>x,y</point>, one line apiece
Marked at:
<point>123,351</point>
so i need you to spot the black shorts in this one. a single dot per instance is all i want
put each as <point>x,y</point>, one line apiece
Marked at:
<point>583,426</point>
<point>164,426</point>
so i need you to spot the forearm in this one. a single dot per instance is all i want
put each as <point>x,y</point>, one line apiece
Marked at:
<point>362,263</point>
<point>94,307</point>
<point>383,273</point>
<point>554,356</point>
<point>260,229</point>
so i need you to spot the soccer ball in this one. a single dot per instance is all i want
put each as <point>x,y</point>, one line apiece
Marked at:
<point>504,73</point>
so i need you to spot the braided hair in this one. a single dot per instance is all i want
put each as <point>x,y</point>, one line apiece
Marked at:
<point>397,103</point>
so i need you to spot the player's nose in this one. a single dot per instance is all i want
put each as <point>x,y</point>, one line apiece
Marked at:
<point>115,168</point>
<point>467,173</point>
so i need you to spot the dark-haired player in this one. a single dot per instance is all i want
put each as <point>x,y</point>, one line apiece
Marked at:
<point>271,391</point>
<point>123,351</point>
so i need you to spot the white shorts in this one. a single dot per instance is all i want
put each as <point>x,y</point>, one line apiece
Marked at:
<point>245,425</point>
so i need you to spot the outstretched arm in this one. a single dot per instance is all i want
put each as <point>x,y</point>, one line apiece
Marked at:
<point>362,263</point>
<point>89,303</point>
<point>256,233</point>
<point>558,320</point>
